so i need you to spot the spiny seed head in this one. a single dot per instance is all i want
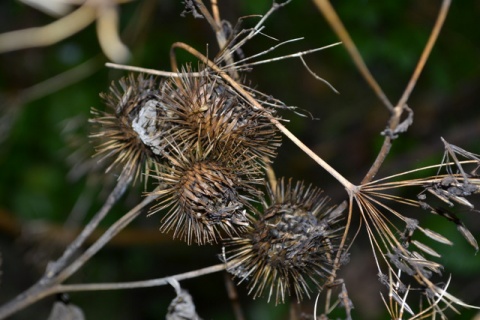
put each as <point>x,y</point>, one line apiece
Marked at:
<point>205,197</point>
<point>290,247</point>
<point>129,131</point>
<point>210,115</point>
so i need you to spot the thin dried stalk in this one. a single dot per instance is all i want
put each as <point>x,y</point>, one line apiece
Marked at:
<point>55,275</point>
<point>332,18</point>
<point>139,284</point>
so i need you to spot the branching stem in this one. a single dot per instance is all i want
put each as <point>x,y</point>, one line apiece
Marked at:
<point>401,105</point>
<point>351,188</point>
<point>55,267</point>
<point>396,112</point>
<point>60,270</point>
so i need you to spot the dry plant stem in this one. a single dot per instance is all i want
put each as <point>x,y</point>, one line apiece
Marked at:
<point>138,284</point>
<point>332,18</point>
<point>398,110</point>
<point>42,290</point>
<point>105,238</point>
<point>216,12</point>
<point>272,179</point>
<point>341,251</point>
<point>259,26</point>
<point>426,52</point>
<point>54,268</point>
<point>316,76</point>
<point>215,22</point>
<point>230,66</point>
<point>221,37</point>
<point>151,71</point>
<point>233,296</point>
<point>382,154</point>
<point>46,284</point>
<point>206,14</point>
<point>351,188</point>
<point>293,55</point>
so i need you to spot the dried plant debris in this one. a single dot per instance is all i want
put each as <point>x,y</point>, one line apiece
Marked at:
<point>408,269</point>
<point>63,309</point>
<point>453,188</point>
<point>191,7</point>
<point>451,216</point>
<point>409,261</point>
<point>290,248</point>
<point>450,160</point>
<point>182,307</point>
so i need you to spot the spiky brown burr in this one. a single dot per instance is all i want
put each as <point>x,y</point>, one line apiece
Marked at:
<point>290,248</point>
<point>208,114</point>
<point>128,133</point>
<point>206,197</point>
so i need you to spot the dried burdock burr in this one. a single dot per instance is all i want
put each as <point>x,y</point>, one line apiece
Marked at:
<point>206,197</point>
<point>209,115</point>
<point>290,248</point>
<point>129,132</point>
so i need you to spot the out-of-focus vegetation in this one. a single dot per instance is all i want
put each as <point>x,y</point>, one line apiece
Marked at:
<point>39,191</point>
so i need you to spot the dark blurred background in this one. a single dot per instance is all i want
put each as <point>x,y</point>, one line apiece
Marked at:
<point>46,194</point>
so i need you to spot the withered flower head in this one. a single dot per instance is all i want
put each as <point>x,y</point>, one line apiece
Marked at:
<point>205,198</point>
<point>291,246</point>
<point>129,133</point>
<point>210,115</point>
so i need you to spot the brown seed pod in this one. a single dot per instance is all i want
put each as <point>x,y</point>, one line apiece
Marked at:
<point>130,132</point>
<point>208,114</point>
<point>290,247</point>
<point>205,197</point>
